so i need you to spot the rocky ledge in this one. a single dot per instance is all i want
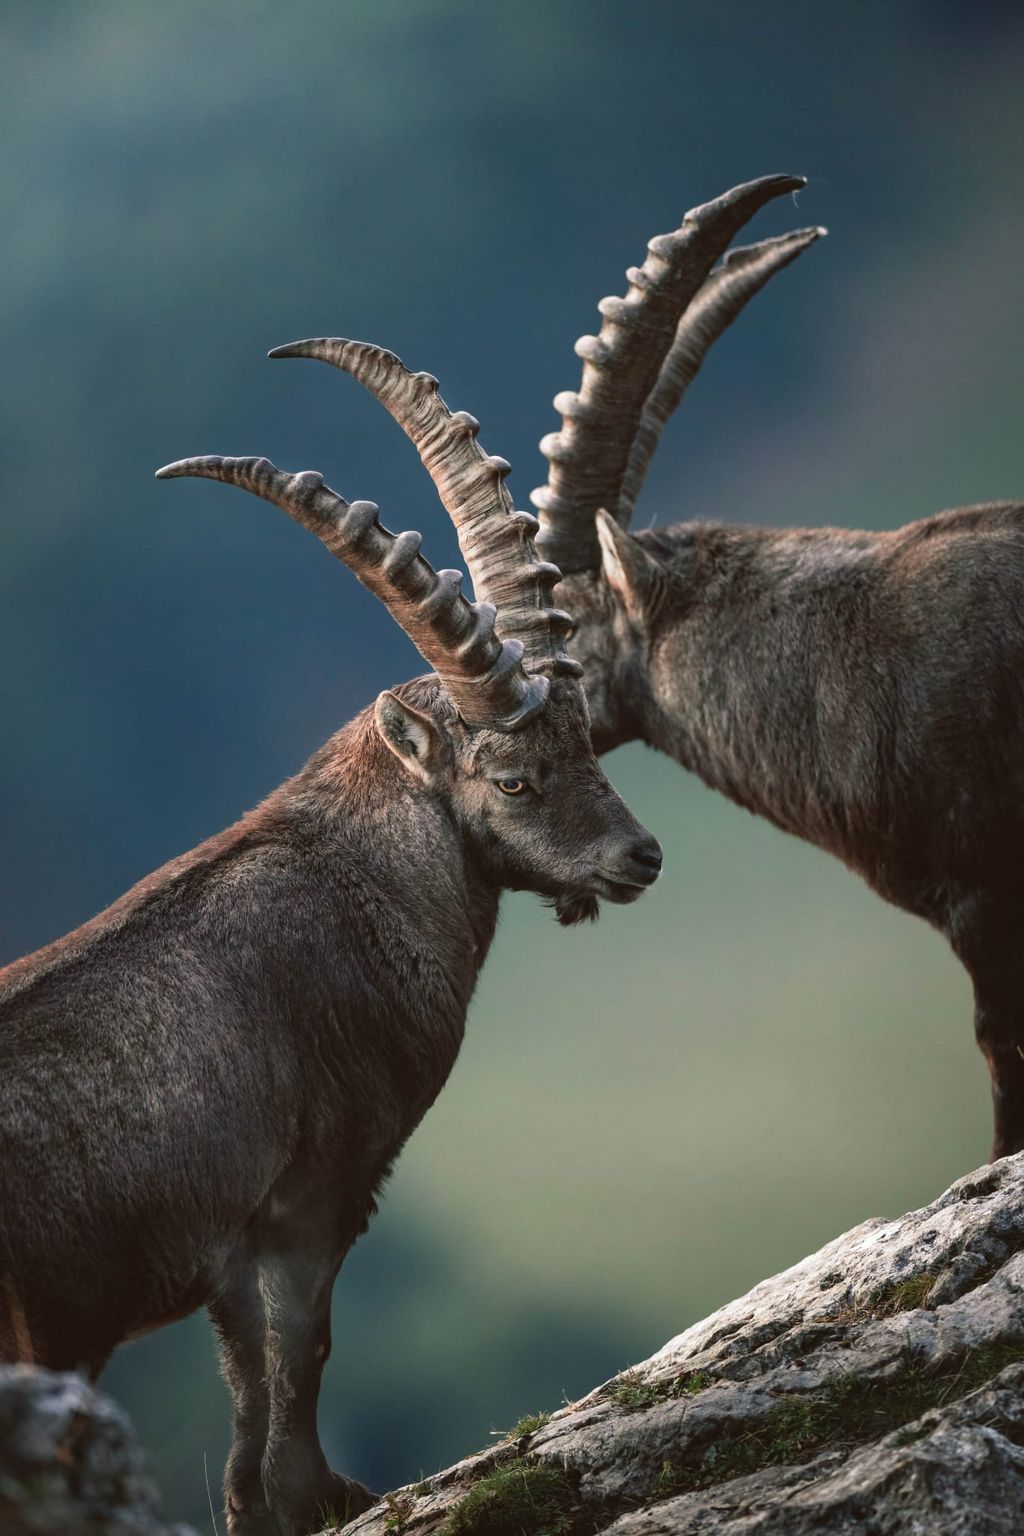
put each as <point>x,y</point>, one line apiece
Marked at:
<point>875,1389</point>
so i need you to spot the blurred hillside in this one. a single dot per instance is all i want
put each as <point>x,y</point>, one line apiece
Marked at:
<point>758,1054</point>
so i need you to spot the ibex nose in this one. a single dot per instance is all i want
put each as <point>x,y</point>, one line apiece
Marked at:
<point>649,854</point>
<point>645,858</point>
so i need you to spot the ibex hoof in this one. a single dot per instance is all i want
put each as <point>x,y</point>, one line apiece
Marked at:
<point>342,1499</point>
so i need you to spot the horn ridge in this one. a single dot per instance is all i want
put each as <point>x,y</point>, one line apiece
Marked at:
<point>496,540</point>
<point>741,274</point>
<point>589,454</point>
<point>482,674</point>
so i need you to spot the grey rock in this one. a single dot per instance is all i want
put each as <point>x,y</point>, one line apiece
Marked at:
<point>69,1461</point>
<point>957,1471</point>
<point>875,1389</point>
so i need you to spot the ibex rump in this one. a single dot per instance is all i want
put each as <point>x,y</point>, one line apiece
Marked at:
<point>864,691</point>
<point>203,1088</point>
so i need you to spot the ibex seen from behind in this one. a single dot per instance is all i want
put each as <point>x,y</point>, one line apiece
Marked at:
<point>203,1088</point>
<point>864,691</point>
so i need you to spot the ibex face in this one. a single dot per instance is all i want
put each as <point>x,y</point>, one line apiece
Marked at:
<point>558,827</point>
<point>533,805</point>
<point>630,630</point>
<point>612,639</point>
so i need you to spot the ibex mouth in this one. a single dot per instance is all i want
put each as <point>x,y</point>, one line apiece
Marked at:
<point>582,906</point>
<point>620,891</point>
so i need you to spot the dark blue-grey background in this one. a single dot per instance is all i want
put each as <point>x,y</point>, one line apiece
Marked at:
<point>758,1054</point>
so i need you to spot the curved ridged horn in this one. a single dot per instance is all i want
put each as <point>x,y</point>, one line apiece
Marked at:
<point>589,455</point>
<point>741,273</point>
<point>484,676</point>
<point>496,540</point>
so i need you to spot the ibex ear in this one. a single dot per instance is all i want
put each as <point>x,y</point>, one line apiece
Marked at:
<point>628,569</point>
<point>413,737</point>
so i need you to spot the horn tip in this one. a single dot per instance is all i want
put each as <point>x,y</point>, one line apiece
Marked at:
<point>776,185</point>
<point>172,471</point>
<point>297,348</point>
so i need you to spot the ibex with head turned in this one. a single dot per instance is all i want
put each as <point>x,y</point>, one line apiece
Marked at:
<point>203,1088</point>
<point>861,690</point>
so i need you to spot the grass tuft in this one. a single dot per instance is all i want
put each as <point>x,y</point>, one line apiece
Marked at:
<point>899,1296</point>
<point>518,1500</point>
<point>632,1391</point>
<point>688,1386</point>
<point>528,1424</point>
<point>399,1508</point>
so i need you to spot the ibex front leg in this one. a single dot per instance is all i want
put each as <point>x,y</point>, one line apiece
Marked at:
<point>999,1027</point>
<point>988,937</point>
<point>298,1262</point>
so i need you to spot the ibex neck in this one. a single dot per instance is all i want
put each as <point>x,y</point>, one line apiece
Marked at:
<point>402,844</point>
<point>344,859</point>
<point>756,680</point>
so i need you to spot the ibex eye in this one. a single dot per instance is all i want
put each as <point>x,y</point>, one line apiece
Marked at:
<point>511,786</point>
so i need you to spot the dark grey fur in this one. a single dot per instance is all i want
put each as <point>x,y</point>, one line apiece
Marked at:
<point>864,691</point>
<point>203,1089</point>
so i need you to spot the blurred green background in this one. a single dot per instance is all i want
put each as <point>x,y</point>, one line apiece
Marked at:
<point>760,1053</point>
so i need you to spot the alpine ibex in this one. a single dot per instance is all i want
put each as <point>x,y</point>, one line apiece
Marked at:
<point>864,691</point>
<point>203,1088</point>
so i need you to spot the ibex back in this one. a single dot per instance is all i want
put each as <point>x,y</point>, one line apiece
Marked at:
<point>203,1088</point>
<point>864,691</point>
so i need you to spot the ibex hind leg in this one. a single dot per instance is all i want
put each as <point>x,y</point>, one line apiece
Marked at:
<point>236,1311</point>
<point>42,1328</point>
